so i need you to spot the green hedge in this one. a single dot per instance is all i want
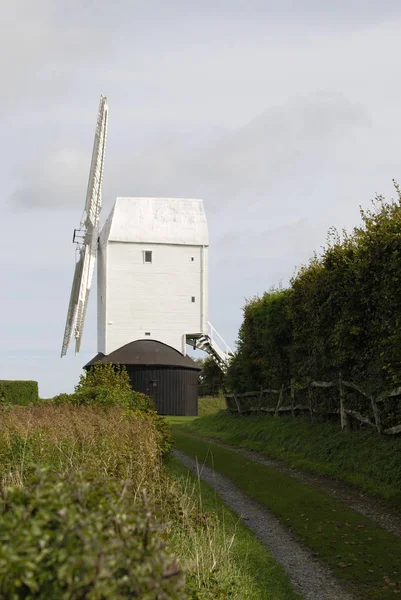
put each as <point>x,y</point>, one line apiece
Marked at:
<point>341,313</point>
<point>18,392</point>
<point>66,537</point>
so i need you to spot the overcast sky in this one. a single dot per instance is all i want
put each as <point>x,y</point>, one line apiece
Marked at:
<point>282,115</point>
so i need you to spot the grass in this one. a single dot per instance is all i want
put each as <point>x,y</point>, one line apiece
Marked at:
<point>75,521</point>
<point>362,458</point>
<point>238,558</point>
<point>91,441</point>
<point>209,405</point>
<point>220,558</point>
<point>361,554</point>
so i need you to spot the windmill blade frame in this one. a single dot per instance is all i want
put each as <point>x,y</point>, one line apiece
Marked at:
<point>69,325</point>
<point>85,264</point>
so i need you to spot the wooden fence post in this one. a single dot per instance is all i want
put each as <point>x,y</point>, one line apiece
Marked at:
<point>292,397</point>
<point>343,414</point>
<point>310,398</point>
<point>260,399</point>
<point>376,414</point>
<point>237,403</point>
<point>280,400</point>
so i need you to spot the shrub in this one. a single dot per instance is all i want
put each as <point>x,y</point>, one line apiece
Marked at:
<point>68,538</point>
<point>106,386</point>
<point>18,392</point>
<point>103,385</point>
<point>60,400</point>
<point>211,377</point>
<point>140,401</point>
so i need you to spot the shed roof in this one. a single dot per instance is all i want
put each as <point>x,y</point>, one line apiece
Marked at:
<point>146,353</point>
<point>158,221</point>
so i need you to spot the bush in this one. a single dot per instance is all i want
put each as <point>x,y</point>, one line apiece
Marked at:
<point>60,400</point>
<point>104,385</point>
<point>211,377</point>
<point>18,392</point>
<point>107,386</point>
<point>141,401</point>
<point>67,538</point>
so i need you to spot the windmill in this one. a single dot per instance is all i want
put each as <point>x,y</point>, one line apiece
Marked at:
<point>86,237</point>
<point>152,262</point>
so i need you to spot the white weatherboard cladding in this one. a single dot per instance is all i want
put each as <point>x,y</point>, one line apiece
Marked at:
<point>101,296</point>
<point>136,298</point>
<point>158,221</point>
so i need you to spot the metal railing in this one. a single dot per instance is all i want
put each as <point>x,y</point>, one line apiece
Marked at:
<point>216,338</point>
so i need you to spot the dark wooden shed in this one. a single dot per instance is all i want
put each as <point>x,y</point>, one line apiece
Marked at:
<point>160,371</point>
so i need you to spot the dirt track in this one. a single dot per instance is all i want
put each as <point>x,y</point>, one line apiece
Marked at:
<point>308,575</point>
<point>369,506</point>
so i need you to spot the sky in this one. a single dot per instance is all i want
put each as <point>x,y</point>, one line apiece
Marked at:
<point>283,116</point>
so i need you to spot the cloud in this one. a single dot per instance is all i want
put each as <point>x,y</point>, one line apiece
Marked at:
<point>41,47</point>
<point>223,166</point>
<point>275,243</point>
<point>256,156</point>
<point>55,180</point>
<point>58,52</point>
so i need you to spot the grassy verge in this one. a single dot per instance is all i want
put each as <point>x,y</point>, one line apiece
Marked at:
<point>361,458</point>
<point>76,521</point>
<point>239,558</point>
<point>361,554</point>
<point>209,405</point>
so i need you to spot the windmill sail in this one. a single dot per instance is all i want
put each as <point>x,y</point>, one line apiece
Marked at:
<point>87,250</point>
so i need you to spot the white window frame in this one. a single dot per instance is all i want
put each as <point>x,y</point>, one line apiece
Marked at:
<point>148,262</point>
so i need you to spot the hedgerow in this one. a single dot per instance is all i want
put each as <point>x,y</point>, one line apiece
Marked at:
<point>66,537</point>
<point>340,314</point>
<point>18,392</point>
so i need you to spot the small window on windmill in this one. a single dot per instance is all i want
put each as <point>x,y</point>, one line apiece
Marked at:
<point>193,299</point>
<point>192,258</point>
<point>147,332</point>
<point>147,256</point>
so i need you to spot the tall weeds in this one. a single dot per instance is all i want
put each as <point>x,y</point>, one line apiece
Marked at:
<point>101,444</point>
<point>87,454</point>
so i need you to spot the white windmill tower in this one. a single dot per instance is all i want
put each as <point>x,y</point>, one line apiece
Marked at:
<point>152,270</point>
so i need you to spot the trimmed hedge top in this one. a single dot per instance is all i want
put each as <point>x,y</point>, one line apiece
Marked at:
<point>18,392</point>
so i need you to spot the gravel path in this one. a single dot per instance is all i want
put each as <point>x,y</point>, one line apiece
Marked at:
<point>308,575</point>
<point>374,508</point>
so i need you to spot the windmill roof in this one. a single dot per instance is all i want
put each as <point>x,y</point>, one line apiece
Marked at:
<point>146,353</point>
<point>158,221</point>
